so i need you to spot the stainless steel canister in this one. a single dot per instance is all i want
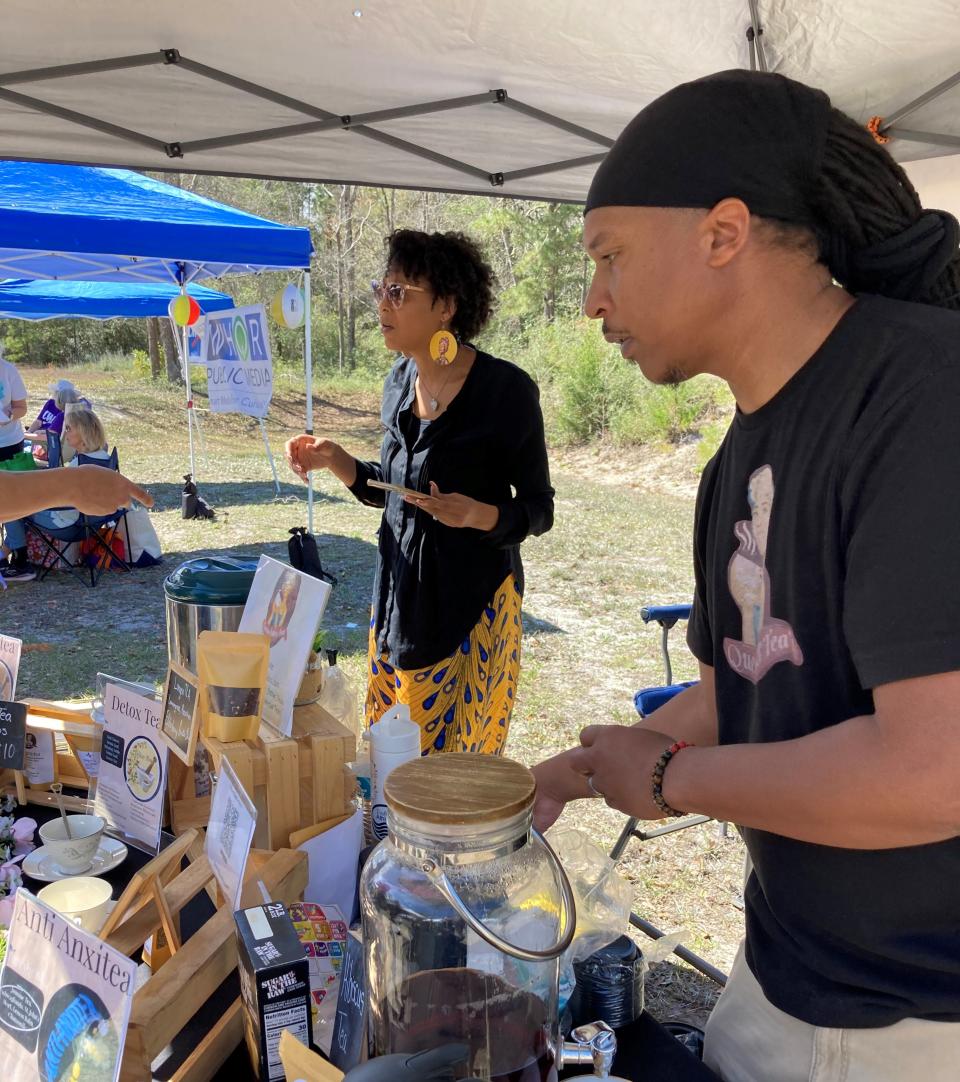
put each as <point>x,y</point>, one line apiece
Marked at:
<point>204,594</point>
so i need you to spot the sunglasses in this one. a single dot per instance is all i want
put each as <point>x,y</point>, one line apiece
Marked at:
<point>395,292</point>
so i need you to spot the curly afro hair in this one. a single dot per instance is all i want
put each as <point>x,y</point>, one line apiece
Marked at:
<point>453,266</point>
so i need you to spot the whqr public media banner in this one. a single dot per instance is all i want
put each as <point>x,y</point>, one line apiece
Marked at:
<point>235,349</point>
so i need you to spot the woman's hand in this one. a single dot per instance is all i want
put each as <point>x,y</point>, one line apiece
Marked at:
<point>454,509</point>
<point>557,784</point>
<point>306,453</point>
<point>98,491</point>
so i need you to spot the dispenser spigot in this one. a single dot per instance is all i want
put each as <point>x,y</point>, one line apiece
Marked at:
<point>595,1044</point>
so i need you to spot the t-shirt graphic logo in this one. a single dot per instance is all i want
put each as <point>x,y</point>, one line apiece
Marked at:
<point>766,640</point>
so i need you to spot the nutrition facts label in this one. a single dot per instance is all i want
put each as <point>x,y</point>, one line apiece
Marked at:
<point>275,1021</point>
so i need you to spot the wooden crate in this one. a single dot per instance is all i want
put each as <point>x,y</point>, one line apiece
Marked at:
<point>294,781</point>
<point>174,994</point>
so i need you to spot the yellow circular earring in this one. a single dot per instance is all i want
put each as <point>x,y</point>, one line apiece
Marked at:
<point>443,347</point>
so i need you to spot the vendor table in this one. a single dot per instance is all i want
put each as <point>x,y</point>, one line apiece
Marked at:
<point>645,1049</point>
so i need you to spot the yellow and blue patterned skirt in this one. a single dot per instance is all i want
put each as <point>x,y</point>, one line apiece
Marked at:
<point>464,701</point>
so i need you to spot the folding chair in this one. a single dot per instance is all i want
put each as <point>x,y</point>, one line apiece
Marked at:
<point>99,530</point>
<point>52,446</point>
<point>647,700</point>
<point>54,449</point>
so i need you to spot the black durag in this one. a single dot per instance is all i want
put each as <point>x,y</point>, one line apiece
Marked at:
<point>760,137</point>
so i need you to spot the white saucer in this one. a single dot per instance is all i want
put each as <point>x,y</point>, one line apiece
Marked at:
<point>40,864</point>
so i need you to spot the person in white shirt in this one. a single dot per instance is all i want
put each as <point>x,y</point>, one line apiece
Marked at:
<point>13,405</point>
<point>83,432</point>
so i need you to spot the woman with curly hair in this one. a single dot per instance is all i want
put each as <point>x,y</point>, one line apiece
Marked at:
<point>463,433</point>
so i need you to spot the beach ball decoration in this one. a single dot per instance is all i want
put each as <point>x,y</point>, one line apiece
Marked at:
<point>288,307</point>
<point>184,310</point>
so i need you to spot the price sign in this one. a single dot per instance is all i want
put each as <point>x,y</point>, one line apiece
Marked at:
<point>13,732</point>
<point>179,718</point>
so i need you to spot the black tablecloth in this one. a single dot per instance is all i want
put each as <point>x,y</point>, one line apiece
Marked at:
<point>646,1051</point>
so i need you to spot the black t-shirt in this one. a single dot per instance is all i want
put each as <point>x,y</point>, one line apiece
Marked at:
<point>433,581</point>
<point>827,563</point>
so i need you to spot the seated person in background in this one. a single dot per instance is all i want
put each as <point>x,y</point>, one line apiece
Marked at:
<point>50,417</point>
<point>83,433</point>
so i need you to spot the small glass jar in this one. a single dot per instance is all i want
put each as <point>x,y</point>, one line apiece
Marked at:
<point>466,912</point>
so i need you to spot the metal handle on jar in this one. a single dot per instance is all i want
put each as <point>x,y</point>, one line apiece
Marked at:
<point>569,911</point>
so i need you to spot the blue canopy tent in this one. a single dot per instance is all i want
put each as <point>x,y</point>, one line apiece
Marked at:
<point>113,225</point>
<point>80,223</point>
<point>22,298</point>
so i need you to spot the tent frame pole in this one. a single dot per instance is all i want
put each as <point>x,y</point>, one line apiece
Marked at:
<point>912,106</point>
<point>755,37</point>
<point>266,444</point>
<point>934,138</point>
<point>186,380</point>
<point>323,119</point>
<point>308,364</point>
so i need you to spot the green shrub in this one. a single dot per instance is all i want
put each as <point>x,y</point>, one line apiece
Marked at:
<point>587,390</point>
<point>711,437</point>
<point>667,414</point>
<point>596,388</point>
<point>140,364</point>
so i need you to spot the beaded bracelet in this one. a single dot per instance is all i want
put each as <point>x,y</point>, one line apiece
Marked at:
<point>657,777</point>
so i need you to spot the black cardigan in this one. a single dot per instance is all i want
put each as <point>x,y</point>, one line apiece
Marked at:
<point>433,581</point>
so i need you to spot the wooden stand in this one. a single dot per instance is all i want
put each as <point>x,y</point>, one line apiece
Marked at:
<point>294,782</point>
<point>174,994</point>
<point>74,733</point>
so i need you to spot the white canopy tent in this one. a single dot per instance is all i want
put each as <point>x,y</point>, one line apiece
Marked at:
<point>508,97</point>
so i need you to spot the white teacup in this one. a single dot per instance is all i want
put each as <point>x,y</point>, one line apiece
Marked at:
<point>74,854</point>
<point>84,899</point>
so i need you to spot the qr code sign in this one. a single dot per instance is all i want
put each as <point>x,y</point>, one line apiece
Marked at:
<point>230,817</point>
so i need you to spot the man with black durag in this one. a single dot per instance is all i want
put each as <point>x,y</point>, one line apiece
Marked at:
<point>741,226</point>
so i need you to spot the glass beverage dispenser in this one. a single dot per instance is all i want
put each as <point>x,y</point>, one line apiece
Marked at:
<point>466,912</point>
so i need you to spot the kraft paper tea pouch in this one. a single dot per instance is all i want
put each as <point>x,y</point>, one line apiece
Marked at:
<point>232,670</point>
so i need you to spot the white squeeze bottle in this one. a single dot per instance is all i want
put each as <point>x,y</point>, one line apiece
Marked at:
<point>394,740</point>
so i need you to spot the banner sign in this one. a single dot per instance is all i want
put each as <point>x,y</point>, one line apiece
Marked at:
<point>235,348</point>
<point>65,999</point>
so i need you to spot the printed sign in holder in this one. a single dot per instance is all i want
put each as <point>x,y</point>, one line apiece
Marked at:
<point>132,778</point>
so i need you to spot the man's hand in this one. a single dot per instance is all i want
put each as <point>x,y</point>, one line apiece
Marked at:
<point>98,491</point>
<point>454,509</point>
<point>620,760</point>
<point>306,453</point>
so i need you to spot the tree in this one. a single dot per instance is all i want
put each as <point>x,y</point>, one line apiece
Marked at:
<point>153,346</point>
<point>170,352</point>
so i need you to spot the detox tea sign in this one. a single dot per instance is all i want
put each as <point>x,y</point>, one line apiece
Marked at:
<point>133,768</point>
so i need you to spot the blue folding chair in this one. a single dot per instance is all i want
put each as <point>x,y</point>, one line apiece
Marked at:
<point>100,530</point>
<point>52,445</point>
<point>54,449</point>
<point>647,700</point>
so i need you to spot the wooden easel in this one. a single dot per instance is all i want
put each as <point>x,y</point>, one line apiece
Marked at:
<point>149,885</point>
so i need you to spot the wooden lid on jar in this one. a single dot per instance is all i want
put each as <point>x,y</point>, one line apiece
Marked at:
<point>460,788</point>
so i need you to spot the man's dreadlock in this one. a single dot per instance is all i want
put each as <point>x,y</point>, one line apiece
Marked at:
<point>872,232</point>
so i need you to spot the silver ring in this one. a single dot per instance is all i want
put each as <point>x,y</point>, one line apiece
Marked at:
<point>435,519</point>
<point>593,788</point>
